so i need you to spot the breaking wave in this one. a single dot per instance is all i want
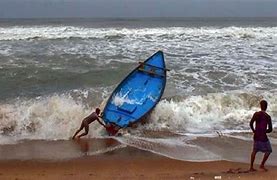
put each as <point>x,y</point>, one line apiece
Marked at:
<point>210,113</point>
<point>58,116</point>
<point>49,118</point>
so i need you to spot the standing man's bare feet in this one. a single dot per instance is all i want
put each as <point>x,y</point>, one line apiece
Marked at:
<point>263,168</point>
<point>252,170</point>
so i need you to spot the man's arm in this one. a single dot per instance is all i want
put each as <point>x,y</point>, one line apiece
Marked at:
<point>100,122</point>
<point>253,119</point>
<point>269,130</point>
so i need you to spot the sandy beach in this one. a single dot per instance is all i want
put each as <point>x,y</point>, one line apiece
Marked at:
<point>128,163</point>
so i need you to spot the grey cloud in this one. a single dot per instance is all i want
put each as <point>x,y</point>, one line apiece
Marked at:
<point>137,8</point>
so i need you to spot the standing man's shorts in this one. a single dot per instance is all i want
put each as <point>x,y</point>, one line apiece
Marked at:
<point>261,146</point>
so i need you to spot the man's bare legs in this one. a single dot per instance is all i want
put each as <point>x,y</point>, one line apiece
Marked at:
<point>266,155</point>
<point>77,132</point>
<point>86,126</point>
<point>80,129</point>
<point>253,155</point>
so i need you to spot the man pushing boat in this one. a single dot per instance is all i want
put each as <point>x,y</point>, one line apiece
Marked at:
<point>111,128</point>
<point>138,94</point>
<point>86,121</point>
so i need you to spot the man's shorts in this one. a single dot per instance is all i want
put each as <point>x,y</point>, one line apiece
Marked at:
<point>260,146</point>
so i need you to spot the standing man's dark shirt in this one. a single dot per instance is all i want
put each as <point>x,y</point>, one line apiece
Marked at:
<point>261,143</point>
<point>261,119</point>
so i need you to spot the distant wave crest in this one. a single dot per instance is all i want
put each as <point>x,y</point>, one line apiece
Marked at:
<point>67,32</point>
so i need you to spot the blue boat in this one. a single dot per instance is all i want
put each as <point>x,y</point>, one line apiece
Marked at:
<point>137,94</point>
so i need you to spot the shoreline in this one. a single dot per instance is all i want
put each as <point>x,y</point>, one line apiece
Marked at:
<point>128,163</point>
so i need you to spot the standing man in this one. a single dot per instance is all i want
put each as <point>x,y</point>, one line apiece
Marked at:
<point>263,125</point>
<point>86,121</point>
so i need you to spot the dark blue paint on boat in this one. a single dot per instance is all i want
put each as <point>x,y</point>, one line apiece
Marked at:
<point>138,93</point>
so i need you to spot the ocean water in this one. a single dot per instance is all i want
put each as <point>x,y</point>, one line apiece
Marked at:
<point>54,72</point>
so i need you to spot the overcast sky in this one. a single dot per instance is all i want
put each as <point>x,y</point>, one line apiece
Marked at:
<point>137,8</point>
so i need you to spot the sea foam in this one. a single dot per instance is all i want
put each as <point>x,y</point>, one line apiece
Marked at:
<point>57,117</point>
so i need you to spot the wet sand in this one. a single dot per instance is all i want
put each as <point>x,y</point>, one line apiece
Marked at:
<point>127,163</point>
